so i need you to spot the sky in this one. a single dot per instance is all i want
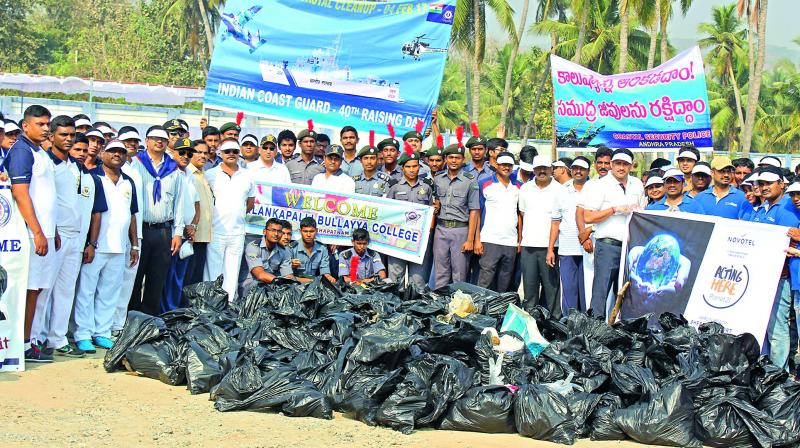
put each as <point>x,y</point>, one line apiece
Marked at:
<point>781,24</point>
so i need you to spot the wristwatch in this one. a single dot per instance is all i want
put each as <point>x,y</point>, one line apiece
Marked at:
<point>136,248</point>
<point>91,243</point>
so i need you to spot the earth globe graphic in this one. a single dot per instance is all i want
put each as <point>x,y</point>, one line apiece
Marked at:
<point>659,262</point>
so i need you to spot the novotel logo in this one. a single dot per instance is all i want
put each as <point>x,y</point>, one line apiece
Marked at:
<point>741,240</point>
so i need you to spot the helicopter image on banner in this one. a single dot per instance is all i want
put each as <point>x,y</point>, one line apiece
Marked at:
<point>419,47</point>
<point>234,27</point>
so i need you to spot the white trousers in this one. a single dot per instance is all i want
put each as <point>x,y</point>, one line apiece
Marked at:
<point>98,294</point>
<point>126,290</point>
<point>224,257</point>
<point>54,305</point>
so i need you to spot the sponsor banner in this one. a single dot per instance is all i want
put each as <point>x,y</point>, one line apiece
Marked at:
<point>660,108</point>
<point>14,247</point>
<point>337,62</point>
<point>706,268</point>
<point>397,228</point>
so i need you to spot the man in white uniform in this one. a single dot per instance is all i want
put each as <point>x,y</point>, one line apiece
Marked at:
<point>98,291</point>
<point>234,196</point>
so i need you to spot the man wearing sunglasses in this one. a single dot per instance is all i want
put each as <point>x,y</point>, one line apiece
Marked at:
<point>175,130</point>
<point>266,168</point>
<point>722,199</point>
<point>234,197</point>
<point>182,153</point>
<point>777,209</point>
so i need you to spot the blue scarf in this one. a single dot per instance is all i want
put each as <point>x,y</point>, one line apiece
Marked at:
<point>167,167</point>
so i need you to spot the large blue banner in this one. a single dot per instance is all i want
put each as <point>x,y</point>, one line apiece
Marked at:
<point>338,62</point>
<point>661,108</point>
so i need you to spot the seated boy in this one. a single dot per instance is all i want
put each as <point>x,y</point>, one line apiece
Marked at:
<point>309,257</point>
<point>360,262</point>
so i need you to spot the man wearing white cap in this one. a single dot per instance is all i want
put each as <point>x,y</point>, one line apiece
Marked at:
<point>98,291</point>
<point>498,238</point>
<point>82,123</point>
<point>234,197</point>
<point>688,156</point>
<point>769,161</point>
<point>10,134</point>
<point>722,199</point>
<point>129,136</point>
<point>617,196</point>
<point>777,209</point>
<point>561,171</point>
<point>96,142</point>
<point>249,149</point>
<point>675,200</point>
<point>537,203</point>
<point>163,221</point>
<point>79,211</point>
<point>701,179</point>
<point>564,234</point>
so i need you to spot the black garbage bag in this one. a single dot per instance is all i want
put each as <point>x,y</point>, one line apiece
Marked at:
<point>730,422</point>
<point>583,405</point>
<point>765,376</point>
<point>210,337</point>
<point>486,301</point>
<point>386,336</point>
<point>206,296</point>
<point>241,381</point>
<point>139,328</point>
<point>543,414</point>
<point>632,383</point>
<point>282,390</point>
<point>596,330</point>
<point>364,388</point>
<point>313,366</point>
<point>158,360</point>
<point>482,409</point>
<point>203,371</point>
<point>726,353</point>
<point>666,419</point>
<point>601,421</point>
<point>669,321</point>
<point>783,405</point>
<point>431,384</point>
<point>515,366</point>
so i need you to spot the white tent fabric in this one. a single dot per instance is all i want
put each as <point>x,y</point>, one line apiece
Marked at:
<point>132,92</point>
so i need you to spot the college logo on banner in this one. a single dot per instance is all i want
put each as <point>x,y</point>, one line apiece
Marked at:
<point>14,247</point>
<point>338,62</point>
<point>661,108</point>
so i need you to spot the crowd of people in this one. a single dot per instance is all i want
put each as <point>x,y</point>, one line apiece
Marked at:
<point>120,221</point>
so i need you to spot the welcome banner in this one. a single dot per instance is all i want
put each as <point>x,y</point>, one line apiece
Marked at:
<point>708,269</point>
<point>14,247</point>
<point>397,228</point>
<point>656,109</point>
<point>338,62</point>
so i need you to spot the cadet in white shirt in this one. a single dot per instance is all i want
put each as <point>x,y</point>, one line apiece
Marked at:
<point>538,203</point>
<point>98,291</point>
<point>234,197</point>
<point>80,197</point>
<point>334,180</point>
<point>613,198</point>
<point>33,188</point>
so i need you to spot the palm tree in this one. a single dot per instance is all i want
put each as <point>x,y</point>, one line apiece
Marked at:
<point>546,10</point>
<point>194,13</point>
<point>758,12</point>
<point>725,37</point>
<point>581,8</point>
<point>469,33</point>
<point>654,32</point>
<point>666,13</point>
<point>509,69</point>
<point>624,24</point>
<point>451,96</point>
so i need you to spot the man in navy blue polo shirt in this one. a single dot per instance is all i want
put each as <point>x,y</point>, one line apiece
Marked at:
<point>722,199</point>
<point>675,200</point>
<point>33,186</point>
<point>777,209</point>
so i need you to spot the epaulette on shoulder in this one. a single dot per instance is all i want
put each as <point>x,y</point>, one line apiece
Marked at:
<point>392,182</point>
<point>357,178</point>
<point>382,176</point>
<point>428,181</point>
<point>468,175</point>
<point>347,254</point>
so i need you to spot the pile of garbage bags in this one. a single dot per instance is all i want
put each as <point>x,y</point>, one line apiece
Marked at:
<point>455,359</point>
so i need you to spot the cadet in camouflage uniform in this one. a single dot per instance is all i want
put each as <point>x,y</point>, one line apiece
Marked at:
<point>459,201</point>
<point>419,191</point>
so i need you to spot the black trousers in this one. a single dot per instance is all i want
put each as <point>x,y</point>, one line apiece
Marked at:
<point>541,283</point>
<point>496,267</point>
<point>153,270</point>
<point>197,264</point>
